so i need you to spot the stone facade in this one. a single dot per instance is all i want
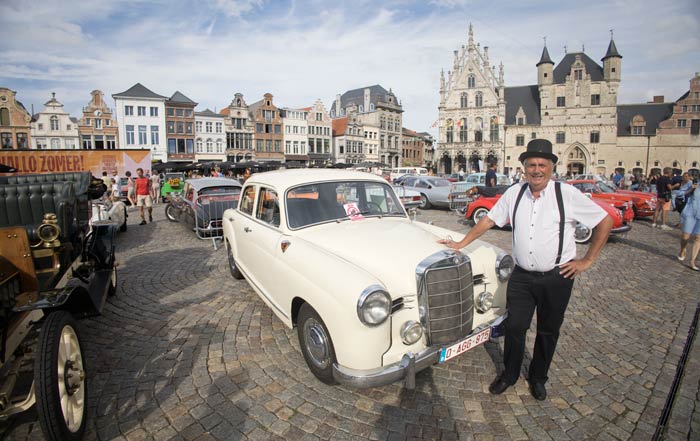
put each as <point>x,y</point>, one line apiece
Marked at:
<point>210,137</point>
<point>377,108</point>
<point>660,134</point>
<point>53,128</point>
<point>471,112</point>
<point>320,135</point>
<point>295,125</point>
<point>14,122</point>
<point>239,130</point>
<point>268,135</point>
<point>98,128</point>
<point>574,105</point>
<point>348,139</point>
<point>179,126</point>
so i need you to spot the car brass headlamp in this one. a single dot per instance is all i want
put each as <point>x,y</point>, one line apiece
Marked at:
<point>49,231</point>
<point>484,302</point>
<point>373,306</point>
<point>411,332</point>
<point>504,266</point>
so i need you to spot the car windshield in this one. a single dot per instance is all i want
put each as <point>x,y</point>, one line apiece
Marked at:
<point>219,190</point>
<point>606,188</point>
<point>173,176</point>
<point>313,204</point>
<point>439,182</point>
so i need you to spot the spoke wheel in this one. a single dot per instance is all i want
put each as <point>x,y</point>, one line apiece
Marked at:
<point>479,214</point>
<point>582,234</point>
<point>60,379</point>
<point>316,344</point>
<point>235,272</point>
<point>170,213</point>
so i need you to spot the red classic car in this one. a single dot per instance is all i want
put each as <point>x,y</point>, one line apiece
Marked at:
<point>642,203</point>
<point>481,205</point>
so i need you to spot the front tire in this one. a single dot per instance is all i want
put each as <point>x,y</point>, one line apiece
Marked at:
<point>316,344</point>
<point>479,214</point>
<point>235,272</point>
<point>170,213</point>
<point>582,233</point>
<point>60,380</point>
<point>424,202</point>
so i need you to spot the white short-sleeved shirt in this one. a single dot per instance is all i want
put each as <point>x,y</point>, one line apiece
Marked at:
<point>536,235</point>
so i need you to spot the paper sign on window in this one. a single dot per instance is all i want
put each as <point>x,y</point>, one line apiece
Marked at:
<point>353,211</point>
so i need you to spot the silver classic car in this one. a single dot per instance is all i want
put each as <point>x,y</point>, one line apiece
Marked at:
<point>373,295</point>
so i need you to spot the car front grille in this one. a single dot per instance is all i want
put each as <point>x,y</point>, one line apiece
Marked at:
<point>446,296</point>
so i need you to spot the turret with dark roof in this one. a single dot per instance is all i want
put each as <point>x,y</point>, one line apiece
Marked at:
<point>612,51</point>
<point>545,58</point>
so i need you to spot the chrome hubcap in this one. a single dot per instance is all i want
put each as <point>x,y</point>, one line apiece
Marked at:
<point>479,215</point>
<point>582,232</point>
<point>71,378</point>
<point>316,342</point>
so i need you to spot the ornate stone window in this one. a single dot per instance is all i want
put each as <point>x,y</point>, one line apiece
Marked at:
<point>463,100</point>
<point>561,137</point>
<point>479,99</point>
<point>54,123</point>
<point>463,130</point>
<point>450,131</point>
<point>471,81</point>
<point>493,129</point>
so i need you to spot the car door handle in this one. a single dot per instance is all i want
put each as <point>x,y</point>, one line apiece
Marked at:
<point>247,230</point>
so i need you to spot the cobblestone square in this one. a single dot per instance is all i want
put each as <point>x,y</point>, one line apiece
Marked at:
<point>184,351</point>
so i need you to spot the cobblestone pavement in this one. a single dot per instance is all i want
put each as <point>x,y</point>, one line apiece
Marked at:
<point>186,352</point>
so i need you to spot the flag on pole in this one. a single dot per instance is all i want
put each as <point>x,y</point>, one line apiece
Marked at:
<point>459,123</point>
<point>434,124</point>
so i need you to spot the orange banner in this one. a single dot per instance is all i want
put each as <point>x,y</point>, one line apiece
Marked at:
<point>61,161</point>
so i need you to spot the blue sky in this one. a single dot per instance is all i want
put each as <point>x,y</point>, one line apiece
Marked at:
<point>304,50</point>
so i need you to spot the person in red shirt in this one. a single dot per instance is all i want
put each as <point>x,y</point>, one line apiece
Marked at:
<point>143,196</point>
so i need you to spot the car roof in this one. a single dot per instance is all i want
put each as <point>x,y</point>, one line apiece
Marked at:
<point>581,181</point>
<point>283,179</point>
<point>200,183</point>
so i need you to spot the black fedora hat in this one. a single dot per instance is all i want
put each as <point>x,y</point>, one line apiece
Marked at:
<point>538,148</point>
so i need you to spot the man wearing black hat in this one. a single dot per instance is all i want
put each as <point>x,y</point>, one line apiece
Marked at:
<point>543,215</point>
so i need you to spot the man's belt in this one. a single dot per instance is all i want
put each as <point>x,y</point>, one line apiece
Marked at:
<point>537,273</point>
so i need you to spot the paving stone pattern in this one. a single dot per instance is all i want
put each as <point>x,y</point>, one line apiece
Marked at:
<point>185,352</point>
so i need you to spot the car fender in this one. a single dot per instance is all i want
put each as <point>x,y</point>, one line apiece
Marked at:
<point>333,290</point>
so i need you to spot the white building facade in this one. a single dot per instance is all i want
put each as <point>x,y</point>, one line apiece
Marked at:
<point>210,136</point>
<point>348,140</point>
<point>295,136</point>
<point>53,128</point>
<point>320,135</point>
<point>141,116</point>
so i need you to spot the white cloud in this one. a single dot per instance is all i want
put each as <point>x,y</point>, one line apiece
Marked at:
<point>303,50</point>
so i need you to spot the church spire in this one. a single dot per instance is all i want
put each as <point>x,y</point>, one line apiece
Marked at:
<point>471,36</point>
<point>612,50</point>
<point>545,58</point>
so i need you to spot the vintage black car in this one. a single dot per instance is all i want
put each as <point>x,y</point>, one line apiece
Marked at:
<point>202,203</point>
<point>55,266</point>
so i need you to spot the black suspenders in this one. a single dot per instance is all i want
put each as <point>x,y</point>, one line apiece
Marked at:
<point>562,219</point>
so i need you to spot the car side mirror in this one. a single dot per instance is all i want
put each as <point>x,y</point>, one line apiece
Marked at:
<point>430,186</point>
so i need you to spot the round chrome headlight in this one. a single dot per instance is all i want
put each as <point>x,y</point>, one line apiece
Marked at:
<point>504,266</point>
<point>373,306</point>
<point>411,332</point>
<point>484,302</point>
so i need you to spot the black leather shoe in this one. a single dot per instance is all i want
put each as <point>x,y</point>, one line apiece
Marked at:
<point>538,391</point>
<point>498,386</point>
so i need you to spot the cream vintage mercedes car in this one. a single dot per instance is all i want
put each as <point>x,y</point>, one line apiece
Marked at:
<point>374,297</point>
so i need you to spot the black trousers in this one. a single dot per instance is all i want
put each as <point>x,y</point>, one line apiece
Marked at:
<point>549,294</point>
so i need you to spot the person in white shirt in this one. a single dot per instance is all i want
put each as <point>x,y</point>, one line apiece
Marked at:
<point>543,215</point>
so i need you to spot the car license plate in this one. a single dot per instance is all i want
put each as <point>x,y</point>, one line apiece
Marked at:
<point>465,345</point>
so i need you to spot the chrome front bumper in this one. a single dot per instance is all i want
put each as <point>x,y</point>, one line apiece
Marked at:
<point>409,365</point>
<point>622,229</point>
